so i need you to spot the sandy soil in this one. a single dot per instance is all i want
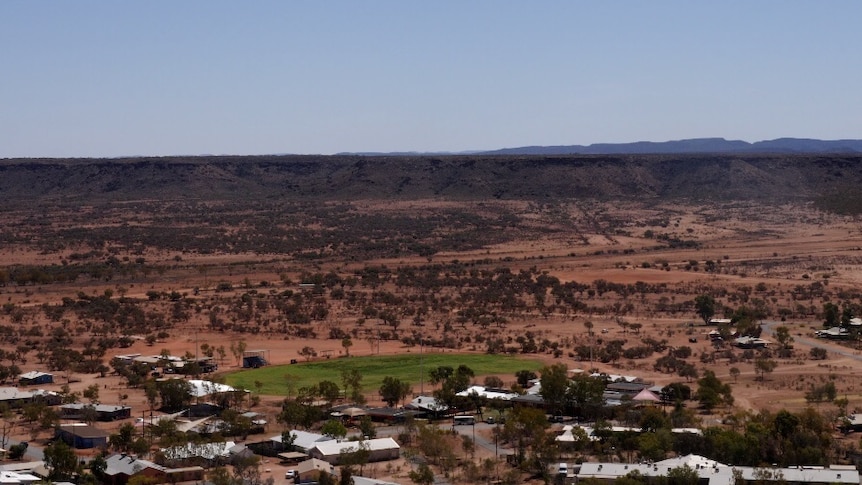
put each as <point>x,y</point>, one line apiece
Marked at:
<point>781,247</point>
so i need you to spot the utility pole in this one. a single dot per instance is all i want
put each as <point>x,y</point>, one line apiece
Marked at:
<point>421,367</point>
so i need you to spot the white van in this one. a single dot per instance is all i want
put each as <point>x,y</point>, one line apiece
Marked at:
<point>463,420</point>
<point>563,469</point>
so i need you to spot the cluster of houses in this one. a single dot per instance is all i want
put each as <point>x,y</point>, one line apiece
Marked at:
<point>842,332</point>
<point>174,465</point>
<point>619,389</point>
<point>309,454</point>
<point>171,364</point>
<point>743,342</point>
<point>568,435</point>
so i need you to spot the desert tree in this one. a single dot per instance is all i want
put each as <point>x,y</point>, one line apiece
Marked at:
<point>554,386</point>
<point>782,335</point>
<point>734,372</point>
<point>393,390</point>
<point>682,475</point>
<point>329,391</point>
<point>351,380</point>
<point>704,305</point>
<point>585,393</point>
<point>238,348</point>
<point>763,366</point>
<point>422,475</point>
<point>493,382</point>
<point>524,377</point>
<point>60,460</point>
<point>711,392</point>
<point>308,352</point>
<point>831,314</point>
<point>334,428</point>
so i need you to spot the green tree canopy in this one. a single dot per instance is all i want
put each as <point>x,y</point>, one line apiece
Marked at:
<point>60,459</point>
<point>555,383</point>
<point>704,305</point>
<point>334,429</point>
<point>393,390</point>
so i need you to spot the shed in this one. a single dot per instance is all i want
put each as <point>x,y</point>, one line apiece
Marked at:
<point>292,457</point>
<point>82,436</point>
<point>310,470</point>
<point>15,398</point>
<point>253,359</point>
<point>35,377</point>
<point>103,412</point>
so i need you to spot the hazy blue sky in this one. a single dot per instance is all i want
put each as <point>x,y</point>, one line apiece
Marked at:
<point>112,78</point>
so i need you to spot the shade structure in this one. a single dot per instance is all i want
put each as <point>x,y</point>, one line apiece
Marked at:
<point>646,396</point>
<point>354,412</point>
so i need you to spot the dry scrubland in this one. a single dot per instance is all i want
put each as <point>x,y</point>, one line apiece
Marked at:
<point>554,280</point>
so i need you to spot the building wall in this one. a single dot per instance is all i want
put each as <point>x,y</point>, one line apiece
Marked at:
<point>80,442</point>
<point>45,379</point>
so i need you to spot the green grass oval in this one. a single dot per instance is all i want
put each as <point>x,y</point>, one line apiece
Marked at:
<point>374,368</point>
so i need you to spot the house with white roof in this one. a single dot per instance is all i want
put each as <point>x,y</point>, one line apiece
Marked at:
<point>834,333</point>
<point>380,449</point>
<point>208,453</point>
<point>15,478</point>
<point>568,436</point>
<point>201,388</point>
<point>304,440</point>
<point>428,405</point>
<point>488,393</point>
<point>714,473</point>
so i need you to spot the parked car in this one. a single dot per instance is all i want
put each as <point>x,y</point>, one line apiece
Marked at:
<point>290,474</point>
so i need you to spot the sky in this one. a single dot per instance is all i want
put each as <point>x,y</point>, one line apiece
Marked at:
<point>167,77</point>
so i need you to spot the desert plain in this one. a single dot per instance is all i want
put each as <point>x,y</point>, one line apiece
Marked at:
<point>551,278</point>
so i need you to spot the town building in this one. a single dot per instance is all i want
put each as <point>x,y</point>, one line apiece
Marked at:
<point>379,449</point>
<point>15,398</point>
<point>309,470</point>
<point>102,412</point>
<point>714,473</point>
<point>121,468</point>
<point>82,436</point>
<point>35,378</point>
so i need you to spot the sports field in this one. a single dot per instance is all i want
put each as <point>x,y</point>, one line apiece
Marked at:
<point>407,368</point>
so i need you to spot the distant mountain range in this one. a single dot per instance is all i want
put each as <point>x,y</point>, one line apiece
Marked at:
<point>694,145</point>
<point>667,176</point>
